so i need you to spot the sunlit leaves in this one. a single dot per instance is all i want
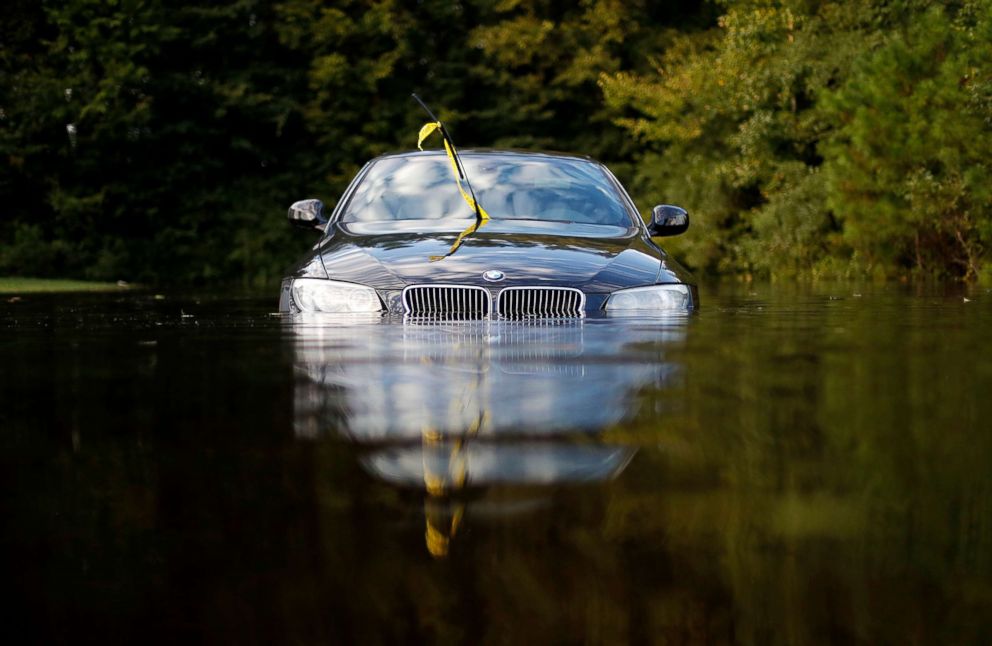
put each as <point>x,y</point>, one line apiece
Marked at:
<point>909,163</point>
<point>893,98</point>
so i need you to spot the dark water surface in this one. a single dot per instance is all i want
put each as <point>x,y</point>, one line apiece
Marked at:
<point>787,466</point>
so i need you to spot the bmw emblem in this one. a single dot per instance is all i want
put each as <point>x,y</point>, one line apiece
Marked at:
<point>493,275</point>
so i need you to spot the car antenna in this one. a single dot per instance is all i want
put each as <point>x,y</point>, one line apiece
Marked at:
<point>449,145</point>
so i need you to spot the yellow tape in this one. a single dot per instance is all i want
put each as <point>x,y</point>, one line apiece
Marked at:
<point>472,228</point>
<point>426,131</point>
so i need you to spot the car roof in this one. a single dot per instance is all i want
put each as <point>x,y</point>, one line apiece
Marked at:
<point>490,152</point>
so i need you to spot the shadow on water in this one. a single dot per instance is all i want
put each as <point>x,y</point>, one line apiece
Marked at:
<point>788,466</point>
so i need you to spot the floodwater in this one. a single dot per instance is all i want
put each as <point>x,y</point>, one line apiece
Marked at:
<point>786,466</point>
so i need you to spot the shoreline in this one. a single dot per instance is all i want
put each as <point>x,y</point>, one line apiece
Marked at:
<point>13,285</point>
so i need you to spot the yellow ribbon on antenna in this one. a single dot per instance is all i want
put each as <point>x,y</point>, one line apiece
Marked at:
<point>426,131</point>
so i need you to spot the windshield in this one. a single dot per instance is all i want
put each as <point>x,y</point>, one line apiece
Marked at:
<point>509,187</point>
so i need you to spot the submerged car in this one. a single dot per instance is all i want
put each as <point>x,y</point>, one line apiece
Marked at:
<point>560,238</point>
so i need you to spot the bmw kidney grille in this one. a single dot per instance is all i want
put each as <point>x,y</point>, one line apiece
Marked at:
<point>443,300</point>
<point>463,301</point>
<point>521,302</point>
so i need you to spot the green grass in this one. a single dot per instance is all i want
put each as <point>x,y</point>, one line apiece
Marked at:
<point>45,285</point>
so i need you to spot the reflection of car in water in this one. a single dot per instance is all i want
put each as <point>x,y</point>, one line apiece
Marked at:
<point>452,407</point>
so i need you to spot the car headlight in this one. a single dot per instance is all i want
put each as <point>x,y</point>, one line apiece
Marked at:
<point>318,295</point>
<point>655,298</point>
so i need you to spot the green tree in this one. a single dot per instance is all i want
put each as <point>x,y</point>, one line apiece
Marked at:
<point>143,139</point>
<point>730,124</point>
<point>908,161</point>
<point>543,61</point>
<point>807,137</point>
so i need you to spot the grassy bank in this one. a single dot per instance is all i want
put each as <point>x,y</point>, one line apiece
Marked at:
<point>46,285</point>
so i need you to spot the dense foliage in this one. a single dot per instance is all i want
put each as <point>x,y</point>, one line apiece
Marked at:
<point>159,141</point>
<point>829,138</point>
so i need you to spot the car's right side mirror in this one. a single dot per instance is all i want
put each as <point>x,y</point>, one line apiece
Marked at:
<point>307,214</point>
<point>668,220</point>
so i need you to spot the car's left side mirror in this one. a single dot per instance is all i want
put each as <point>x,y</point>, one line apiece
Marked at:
<point>668,220</point>
<point>307,214</point>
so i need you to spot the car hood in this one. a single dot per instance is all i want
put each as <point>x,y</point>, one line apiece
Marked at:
<point>392,255</point>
